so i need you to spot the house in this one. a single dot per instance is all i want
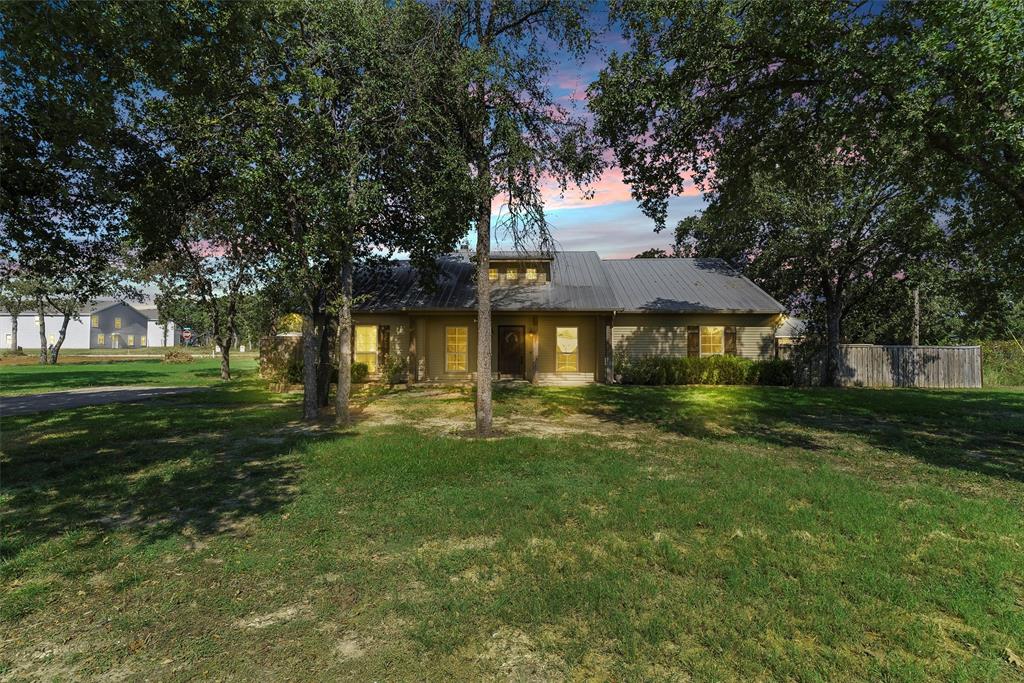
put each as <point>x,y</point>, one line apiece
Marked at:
<point>788,335</point>
<point>105,324</point>
<point>559,318</point>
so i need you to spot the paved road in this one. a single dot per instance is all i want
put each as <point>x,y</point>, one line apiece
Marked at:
<point>76,398</point>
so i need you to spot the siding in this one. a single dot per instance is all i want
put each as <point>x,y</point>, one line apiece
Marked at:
<point>28,332</point>
<point>660,335</point>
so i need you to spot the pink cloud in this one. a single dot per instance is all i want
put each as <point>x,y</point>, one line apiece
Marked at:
<point>610,188</point>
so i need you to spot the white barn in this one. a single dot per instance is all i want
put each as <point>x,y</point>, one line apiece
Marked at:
<point>103,325</point>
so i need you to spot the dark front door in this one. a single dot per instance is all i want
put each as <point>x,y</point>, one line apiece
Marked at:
<point>511,350</point>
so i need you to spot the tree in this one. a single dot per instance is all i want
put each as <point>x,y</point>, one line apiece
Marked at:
<point>15,298</point>
<point>825,237</point>
<point>514,132</point>
<point>653,252</point>
<point>722,92</point>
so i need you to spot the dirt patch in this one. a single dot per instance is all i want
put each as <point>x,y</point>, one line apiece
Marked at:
<point>515,657</point>
<point>281,616</point>
<point>349,647</point>
<point>454,545</point>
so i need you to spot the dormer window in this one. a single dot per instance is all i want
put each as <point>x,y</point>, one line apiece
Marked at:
<point>531,274</point>
<point>511,274</point>
<point>492,274</point>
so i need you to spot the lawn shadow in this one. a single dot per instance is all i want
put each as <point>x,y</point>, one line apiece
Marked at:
<point>973,430</point>
<point>153,470</point>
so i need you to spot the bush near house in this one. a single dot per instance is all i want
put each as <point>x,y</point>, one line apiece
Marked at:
<point>178,357</point>
<point>661,370</point>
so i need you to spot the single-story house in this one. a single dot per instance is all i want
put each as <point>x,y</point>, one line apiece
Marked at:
<point>560,318</point>
<point>102,325</point>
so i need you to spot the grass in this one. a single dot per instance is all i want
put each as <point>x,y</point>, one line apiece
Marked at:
<point>713,533</point>
<point>77,373</point>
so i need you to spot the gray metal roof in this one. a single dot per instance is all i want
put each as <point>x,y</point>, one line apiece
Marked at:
<point>791,327</point>
<point>685,285</point>
<point>580,281</point>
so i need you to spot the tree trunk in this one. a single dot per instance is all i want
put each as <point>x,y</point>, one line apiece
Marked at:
<point>323,369</point>
<point>225,357</point>
<point>483,319</point>
<point>915,330</point>
<point>14,331</point>
<point>342,417</point>
<point>310,355</point>
<point>833,312</point>
<point>43,360</point>
<point>55,351</point>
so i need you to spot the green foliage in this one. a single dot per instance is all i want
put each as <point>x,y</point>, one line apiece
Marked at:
<point>360,371</point>
<point>394,369</point>
<point>177,357</point>
<point>664,370</point>
<point>1002,363</point>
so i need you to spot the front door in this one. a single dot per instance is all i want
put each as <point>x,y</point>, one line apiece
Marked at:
<point>511,350</point>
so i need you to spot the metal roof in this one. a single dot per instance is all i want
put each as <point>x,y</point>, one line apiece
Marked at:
<point>580,281</point>
<point>685,285</point>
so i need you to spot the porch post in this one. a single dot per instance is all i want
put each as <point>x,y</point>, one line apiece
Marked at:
<point>412,373</point>
<point>609,361</point>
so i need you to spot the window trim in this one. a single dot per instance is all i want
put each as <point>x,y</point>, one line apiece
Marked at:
<point>371,366</point>
<point>721,332</point>
<point>451,358</point>
<point>562,355</point>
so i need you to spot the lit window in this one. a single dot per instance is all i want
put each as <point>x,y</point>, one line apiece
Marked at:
<point>492,274</point>
<point>117,323</point>
<point>101,339</point>
<point>531,274</point>
<point>142,340</point>
<point>131,340</point>
<point>8,341</point>
<point>53,339</point>
<point>567,349</point>
<point>511,274</point>
<point>37,321</point>
<point>712,341</point>
<point>366,346</point>
<point>456,341</point>
<point>95,321</point>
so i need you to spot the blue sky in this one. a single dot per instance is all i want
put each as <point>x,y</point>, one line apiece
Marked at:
<point>610,223</point>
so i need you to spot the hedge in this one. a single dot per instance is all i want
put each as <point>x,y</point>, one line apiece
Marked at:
<point>658,370</point>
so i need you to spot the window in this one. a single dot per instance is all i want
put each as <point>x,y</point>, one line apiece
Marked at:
<point>531,274</point>
<point>117,323</point>
<point>511,274</point>
<point>492,274</point>
<point>142,340</point>
<point>95,321</point>
<point>37,321</point>
<point>712,341</point>
<point>366,346</point>
<point>101,339</point>
<point>131,340</point>
<point>53,339</point>
<point>567,356</point>
<point>456,347</point>
<point>8,344</point>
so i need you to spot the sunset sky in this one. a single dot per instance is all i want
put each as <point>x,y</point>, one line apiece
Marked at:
<point>609,223</point>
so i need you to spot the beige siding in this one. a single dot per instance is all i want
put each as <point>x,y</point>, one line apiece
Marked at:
<point>665,335</point>
<point>436,348</point>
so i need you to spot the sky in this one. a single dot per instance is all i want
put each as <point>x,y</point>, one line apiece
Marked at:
<point>609,223</point>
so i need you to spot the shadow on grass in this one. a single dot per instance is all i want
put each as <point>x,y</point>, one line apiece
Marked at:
<point>199,465</point>
<point>977,431</point>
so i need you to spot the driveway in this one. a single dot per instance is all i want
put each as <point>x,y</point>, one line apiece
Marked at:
<point>76,398</point>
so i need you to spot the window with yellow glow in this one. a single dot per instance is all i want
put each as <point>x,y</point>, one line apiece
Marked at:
<point>95,321</point>
<point>531,274</point>
<point>142,340</point>
<point>53,339</point>
<point>567,349</point>
<point>117,323</point>
<point>456,349</point>
<point>366,346</point>
<point>131,340</point>
<point>511,274</point>
<point>101,339</point>
<point>712,341</point>
<point>492,274</point>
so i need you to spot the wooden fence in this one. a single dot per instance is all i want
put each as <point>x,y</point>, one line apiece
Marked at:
<point>867,365</point>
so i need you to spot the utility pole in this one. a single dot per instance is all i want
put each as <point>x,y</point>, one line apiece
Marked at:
<point>915,330</point>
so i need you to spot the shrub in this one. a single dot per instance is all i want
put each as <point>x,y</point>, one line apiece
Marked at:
<point>775,372</point>
<point>178,357</point>
<point>661,370</point>
<point>394,369</point>
<point>360,371</point>
<point>1002,363</point>
<point>12,352</point>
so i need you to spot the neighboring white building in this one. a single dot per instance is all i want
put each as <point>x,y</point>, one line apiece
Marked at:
<point>103,325</point>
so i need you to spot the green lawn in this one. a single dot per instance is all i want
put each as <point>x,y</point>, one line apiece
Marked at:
<point>30,379</point>
<point>710,533</point>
